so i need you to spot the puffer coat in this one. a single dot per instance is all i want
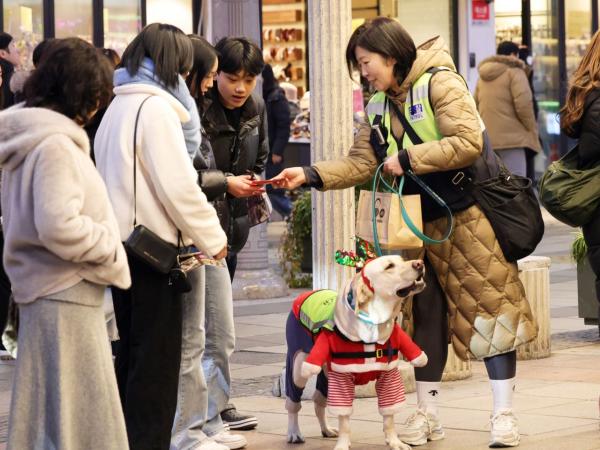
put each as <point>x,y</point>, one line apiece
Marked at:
<point>488,311</point>
<point>505,101</point>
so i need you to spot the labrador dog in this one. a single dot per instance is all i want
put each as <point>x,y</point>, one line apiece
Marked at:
<point>354,336</point>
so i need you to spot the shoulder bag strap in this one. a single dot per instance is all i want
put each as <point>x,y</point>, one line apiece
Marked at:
<point>137,118</point>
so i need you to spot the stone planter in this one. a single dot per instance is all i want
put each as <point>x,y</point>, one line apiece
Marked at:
<point>587,305</point>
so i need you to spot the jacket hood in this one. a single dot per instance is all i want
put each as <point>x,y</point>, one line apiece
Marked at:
<point>23,129</point>
<point>494,66</point>
<point>431,53</point>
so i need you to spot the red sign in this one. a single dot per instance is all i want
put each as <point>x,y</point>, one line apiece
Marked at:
<point>481,10</point>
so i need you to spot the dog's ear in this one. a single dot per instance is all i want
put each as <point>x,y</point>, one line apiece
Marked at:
<point>362,293</point>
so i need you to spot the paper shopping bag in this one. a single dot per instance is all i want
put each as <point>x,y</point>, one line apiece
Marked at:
<point>392,231</point>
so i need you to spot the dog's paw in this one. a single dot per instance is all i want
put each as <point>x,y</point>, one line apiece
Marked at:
<point>342,446</point>
<point>394,443</point>
<point>329,432</point>
<point>309,370</point>
<point>295,437</point>
<point>420,360</point>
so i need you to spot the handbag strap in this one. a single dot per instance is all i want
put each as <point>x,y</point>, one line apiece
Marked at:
<point>405,216</point>
<point>137,119</point>
<point>135,127</point>
<point>412,134</point>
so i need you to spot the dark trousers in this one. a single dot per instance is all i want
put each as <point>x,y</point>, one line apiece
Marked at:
<point>5,291</point>
<point>430,317</point>
<point>149,353</point>
<point>591,233</point>
<point>231,261</point>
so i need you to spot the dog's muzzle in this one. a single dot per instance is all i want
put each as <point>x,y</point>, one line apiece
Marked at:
<point>418,284</point>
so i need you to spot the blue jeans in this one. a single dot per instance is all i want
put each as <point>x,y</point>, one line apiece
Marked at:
<point>208,341</point>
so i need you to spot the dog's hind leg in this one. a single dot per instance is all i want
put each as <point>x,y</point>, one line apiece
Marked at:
<point>320,402</point>
<point>343,442</point>
<point>295,384</point>
<point>391,437</point>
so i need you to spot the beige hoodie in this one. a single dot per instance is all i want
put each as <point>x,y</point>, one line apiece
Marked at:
<point>505,102</point>
<point>59,227</point>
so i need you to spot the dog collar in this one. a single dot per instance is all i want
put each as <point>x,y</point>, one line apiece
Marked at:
<point>365,279</point>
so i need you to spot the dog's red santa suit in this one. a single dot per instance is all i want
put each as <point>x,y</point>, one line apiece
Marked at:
<point>353,360</point>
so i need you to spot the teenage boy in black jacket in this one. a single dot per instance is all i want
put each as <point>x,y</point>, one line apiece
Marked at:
<point>235,123</point>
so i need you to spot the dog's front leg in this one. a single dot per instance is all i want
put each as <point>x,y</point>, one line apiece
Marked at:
<point>320,403</point>
<point>343,442</point>
<point>294,435</point>
<point>391,437</point>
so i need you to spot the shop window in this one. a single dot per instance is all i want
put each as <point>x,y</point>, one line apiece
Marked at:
<point>578,27</point>
<point>73,18</point>
<point>23,20</point>
<point>436,22</point>
<point>175,12</point>
<point>122,22</point>
<point>508,21</point>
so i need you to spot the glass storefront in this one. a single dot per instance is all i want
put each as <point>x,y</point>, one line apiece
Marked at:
<point>23,20</point>
<point>544,42</point>
<point>508,21</point>
<point>179,13</point>
<point>437,21</point>
<point>73,18</point>
<point>122,22</point>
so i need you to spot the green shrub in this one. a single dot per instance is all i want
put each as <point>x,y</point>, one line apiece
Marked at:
<point>291,252</point>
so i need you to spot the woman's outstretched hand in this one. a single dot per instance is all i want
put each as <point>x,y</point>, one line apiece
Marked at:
<point>289,178</point>
<point>392,165</point>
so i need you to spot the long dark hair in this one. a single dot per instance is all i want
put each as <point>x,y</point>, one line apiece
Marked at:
<point>386,37</point>
<point>167,46</point>
<point>269,81</point>
<point>585,79</point>
<point>205,56</point>
<point>72,78</point>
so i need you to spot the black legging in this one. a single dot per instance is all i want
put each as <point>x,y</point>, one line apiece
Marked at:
<point>5,291</point>
<point>430,318</point>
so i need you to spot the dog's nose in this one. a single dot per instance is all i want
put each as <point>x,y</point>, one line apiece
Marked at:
<point>417,265</point>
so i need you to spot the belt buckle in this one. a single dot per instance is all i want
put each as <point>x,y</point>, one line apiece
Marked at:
<point>456,179</point>
<point>379,353</point>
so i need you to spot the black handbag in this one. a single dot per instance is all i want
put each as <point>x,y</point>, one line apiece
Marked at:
<point>142,243</point>
<point>507,200</point>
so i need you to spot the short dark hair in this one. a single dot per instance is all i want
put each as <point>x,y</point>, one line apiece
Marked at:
<point>269,81</point>
<point>205,56</point>
<point>507,48</point>
<point>73,78</point>
<point>386,37</point>
<point>5,40</point>
<point>239,53</point>
<point>167,46</point>
<point>39,51</point>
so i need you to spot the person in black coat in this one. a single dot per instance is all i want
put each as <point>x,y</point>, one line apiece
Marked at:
<point>580,119</point>
<point>235,123</point>
<point>278,116</point>
<point>9,59</point>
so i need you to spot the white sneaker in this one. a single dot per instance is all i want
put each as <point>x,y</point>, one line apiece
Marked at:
<point>420,428</point>
<point>209,444</point>
<point>505,432</point>
<point>232,441</point>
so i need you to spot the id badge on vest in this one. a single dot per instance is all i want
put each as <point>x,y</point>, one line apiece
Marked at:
<point>416,113</point>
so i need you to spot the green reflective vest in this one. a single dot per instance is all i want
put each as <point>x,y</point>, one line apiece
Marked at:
<point>417,110</point>
<point>316,311</point>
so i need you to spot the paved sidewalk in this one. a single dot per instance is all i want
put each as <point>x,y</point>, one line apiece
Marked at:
<point>556,398</point>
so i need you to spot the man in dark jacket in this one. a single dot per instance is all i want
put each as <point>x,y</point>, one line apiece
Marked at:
<point>235,124</point>
<point>9,59</point>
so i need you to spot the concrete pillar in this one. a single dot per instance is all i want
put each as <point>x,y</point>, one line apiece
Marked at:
<point>534,272</point>
<point>329,28</point>
<point>253,278</point>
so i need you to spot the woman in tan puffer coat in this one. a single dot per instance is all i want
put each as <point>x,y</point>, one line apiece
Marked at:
<point>505,102</point>
<point>471,287</point>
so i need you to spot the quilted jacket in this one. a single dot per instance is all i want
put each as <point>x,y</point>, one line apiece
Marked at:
<point>488,311</point>
<point>505,102</point>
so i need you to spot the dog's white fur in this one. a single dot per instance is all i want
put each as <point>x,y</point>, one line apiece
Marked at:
<point>393,281</point>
